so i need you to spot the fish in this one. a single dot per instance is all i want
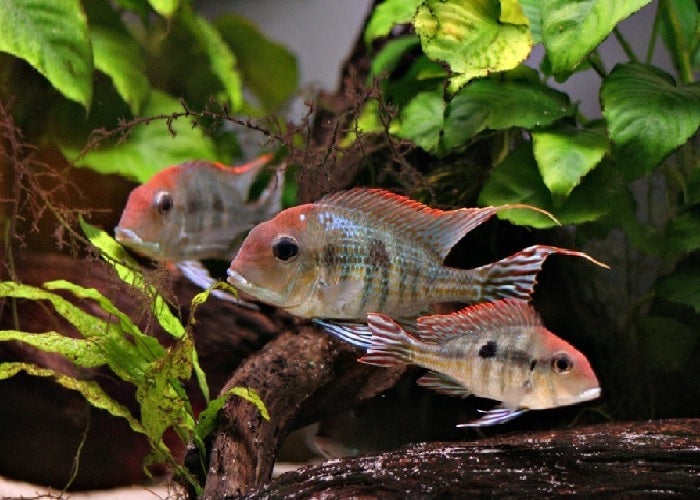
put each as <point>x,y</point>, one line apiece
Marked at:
<point>499,350</point>
<point>197,210</point>
<point>370,250</point>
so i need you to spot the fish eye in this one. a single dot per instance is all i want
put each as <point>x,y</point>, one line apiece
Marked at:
<point>163,202</point>
<point>562,363</point>
<point>285,248</point>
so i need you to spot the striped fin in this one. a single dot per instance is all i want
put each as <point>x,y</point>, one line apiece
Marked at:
<point>391,345</point>
<point>443,384</point>
<point>437,229</point>
<point>357,334</point>
<point>495,416</point>
<point>477,318</point>
<point>515,276</point>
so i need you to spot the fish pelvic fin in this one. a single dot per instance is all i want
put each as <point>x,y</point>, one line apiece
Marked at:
<point>516,276</point>
<point>357,334</point>
<point>494,416</point>
<point>194,271</point>
<point>437,229</point>
<point>391,345</point>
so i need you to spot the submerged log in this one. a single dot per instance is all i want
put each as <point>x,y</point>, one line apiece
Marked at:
<point>612,460</point>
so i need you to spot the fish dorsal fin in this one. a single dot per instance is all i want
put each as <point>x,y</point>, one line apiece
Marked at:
<point>437,229</point>
<point>246,173</point>
<point>443,384</point>
<point>477,318</point>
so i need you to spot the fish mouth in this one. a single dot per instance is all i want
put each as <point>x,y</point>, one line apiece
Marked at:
<point>589,394</point>
<point>236,278</point>
<point>131,239</point>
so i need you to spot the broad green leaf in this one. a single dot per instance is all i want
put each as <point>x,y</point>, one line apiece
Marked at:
<point>570,30</point>
<point>90,390</point>
<point>531,10</point>
<point>565,154</point>
<point>499,105</point>
<point>467,35</point>
<point>165,8</point>
<point>390,55</point>
<point>422,75</point>
<point>221,60</point>
<point>666,342</point>
<point>422,118</point>
<point>126,267</point>
<point>151,146</point>
<point>678,22</point>
<point>259,58</point>
<point>682,285</point>
<point>683,233</point>
<point>388,14</point>
<point>512,13</point>
<point>118,56</point>
<point>517,180</point>
<point>52,36</point>
<point>81,352</point>
<point>648,116</point>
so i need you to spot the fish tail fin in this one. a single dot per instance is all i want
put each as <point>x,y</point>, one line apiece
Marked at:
<point>516,276</point>
<point>391,344</point>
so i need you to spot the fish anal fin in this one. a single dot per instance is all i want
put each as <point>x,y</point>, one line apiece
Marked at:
<point>437,229</point>
<point>495,416</point>
<point>443,384</point>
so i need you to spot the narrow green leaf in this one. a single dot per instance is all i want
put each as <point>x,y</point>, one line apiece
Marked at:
<point>648,115</point>
<point>83,353</point>
<point>165,8</point>
<point>682,286</point>
<point>388,14</point>
<point>53,37</point>
<point>422,118</point>
<point>252,396</point>
<point>258,58</point>
<point>565,154</point>
<point>493,103</point>
<point>678,27</point>
<point>91,391</point>
<point>666,342</point>
<point>126,267</point>
<point>151,146</point>
<point>221,60</point>
<point>467,35</point>
<point>570,30</point>
<point>118,56</point>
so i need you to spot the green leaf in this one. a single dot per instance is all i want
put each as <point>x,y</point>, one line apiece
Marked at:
<point>468,35</point>
<point>221,60</point>
<point>126,268</point>
<point>388,58</point>
<point>570,30</point>
<point>678,22</point>
<point>252,396</point>
<point>258,58</point>
<point>683,285</point>
<point>665,342</point>
<point>165,8</point>
<point>83,353</point>
<point>517,180</point>
<point>512,13</point>
<point>531,10</point>
<point>500,105</point>
<point>388,14</point>
<point>150,147</point>
<point>118,56</point>
<point>648,116</point>
<point>91,391</point>
<point>53,37</point>
<point>683,234</point>
<point>421,120</point>
<point>565,154</point>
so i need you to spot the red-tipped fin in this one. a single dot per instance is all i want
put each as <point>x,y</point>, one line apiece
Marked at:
<point>247,172</point>
<point>443,384</point>
<point>516,276</point>
<point>480,317</point>
<point>437,229</point>
<point>391,345</point>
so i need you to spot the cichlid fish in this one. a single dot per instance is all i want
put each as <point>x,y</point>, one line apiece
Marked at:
<point>369,250</point>
<point>197,210</point>
<point>498,350</point>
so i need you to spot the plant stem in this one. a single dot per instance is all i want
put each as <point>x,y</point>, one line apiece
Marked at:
<point>654,35</point>
<point>685,68</point>
<point>596,63</point>
<point>625,45</point>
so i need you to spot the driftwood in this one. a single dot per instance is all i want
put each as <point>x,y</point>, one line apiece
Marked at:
<point>614,460</point>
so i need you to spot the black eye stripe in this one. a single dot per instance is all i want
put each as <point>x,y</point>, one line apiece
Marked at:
<point>285,249</point>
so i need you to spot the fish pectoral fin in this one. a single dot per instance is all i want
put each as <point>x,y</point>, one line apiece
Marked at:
<point>339,296</point>
<point>443,384</point>
<point>495,416</point>
<point>357,334</point>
